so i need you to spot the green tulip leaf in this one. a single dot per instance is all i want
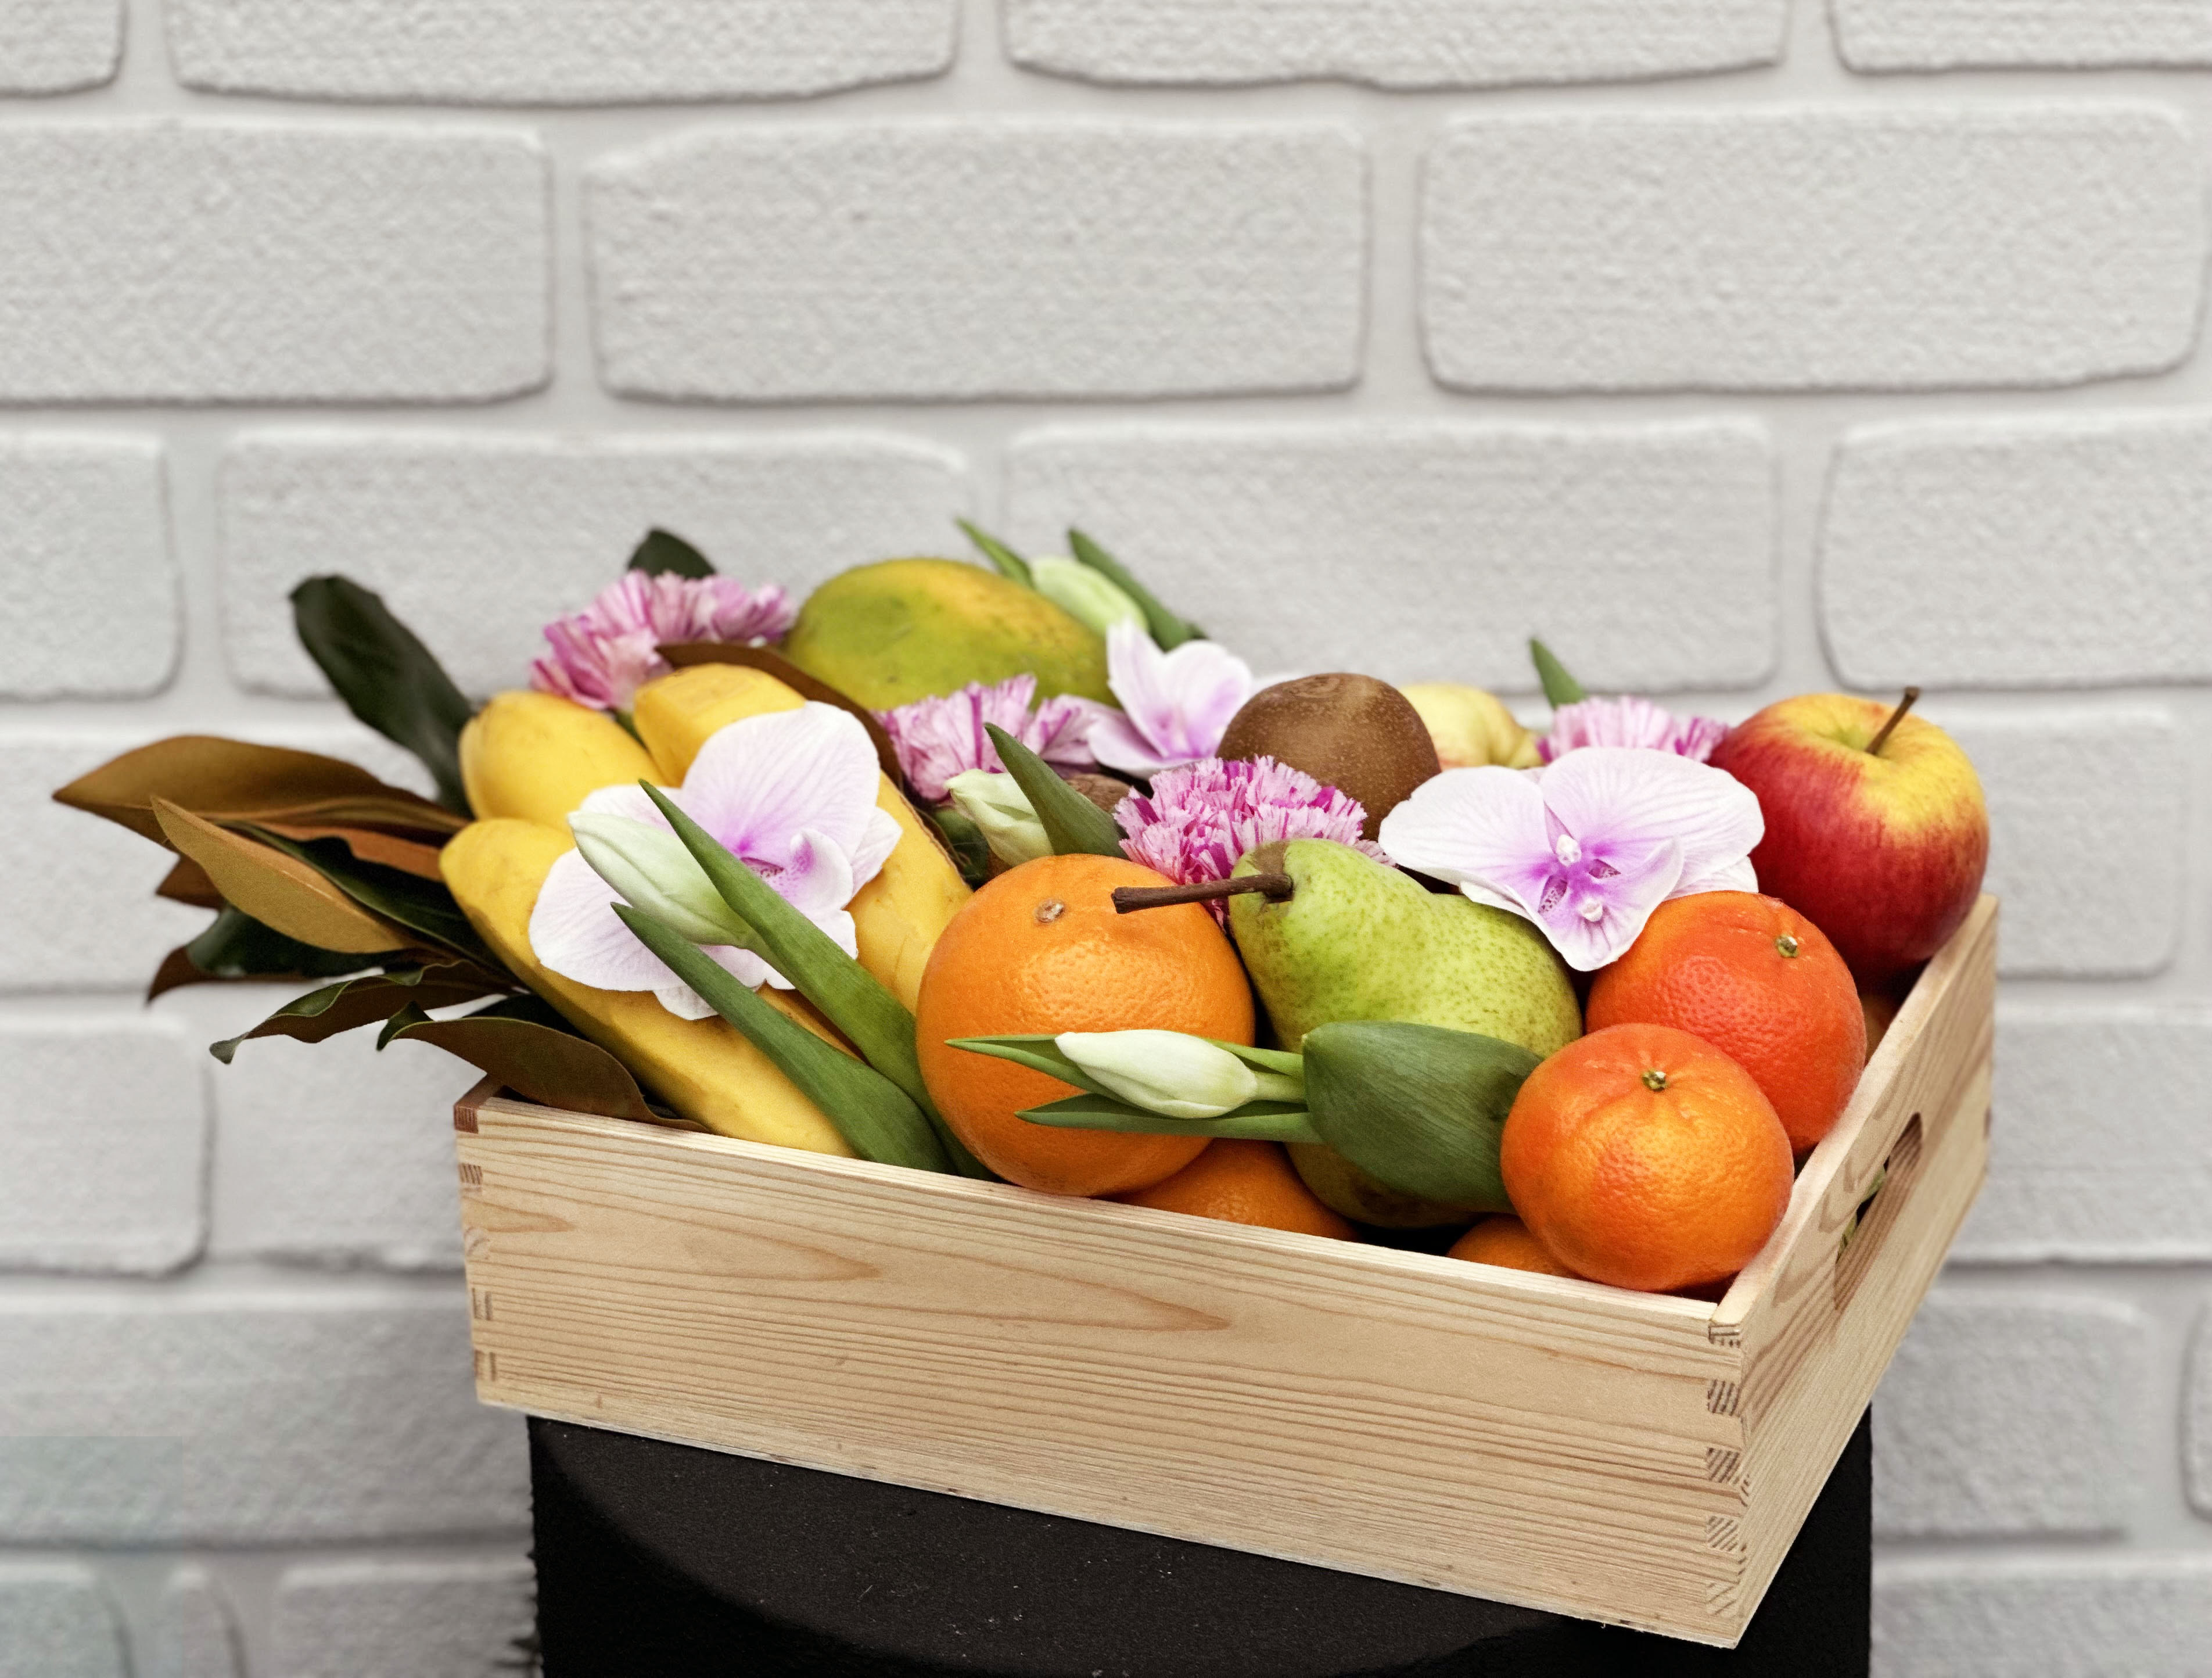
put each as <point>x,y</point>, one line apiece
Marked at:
<point>664,554</point>
<point>386,677</point>
<point>1039,1052</point>
<point>1073,825</point>
<point>1559,688</point>
<point>1011,565</point>
<point>1255,1121</point>
<point>1166,628</point>
<point>1420,1108</point>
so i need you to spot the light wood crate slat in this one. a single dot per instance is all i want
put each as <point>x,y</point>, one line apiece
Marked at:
<point>1636,1458</point>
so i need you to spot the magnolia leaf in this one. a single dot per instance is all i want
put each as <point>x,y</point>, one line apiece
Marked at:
<point>188,883</point>
<point>237,781</point>
<point>964,842</point>
<point>1169,631</point>
<point>1559,688</point>
<point>663,554</point>
<point>684,653</point>
<point>533,1052</point>
<point>1011,565</point>
<point>874,1115</point>
<point>386,675</point>
<point>1420,1108</point>
<point>235,948</point>
<point>425,906</point>
<point>386,850</point>
<point>1071,822</point>
<point>356,1002</point>
<point>1255,1121</point>
<point>280,891</point>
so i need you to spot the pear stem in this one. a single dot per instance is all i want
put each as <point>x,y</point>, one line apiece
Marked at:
<point>1275,888</point>
<point>1912,698</point>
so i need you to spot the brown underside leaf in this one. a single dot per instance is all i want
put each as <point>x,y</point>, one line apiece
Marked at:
<point>236,779</point>
<point>188,883</point>
<point>353,1003</point>
<point>367,843</point>
<point>277,889</point>
<point>684,653</point>
<point>541,1063</point>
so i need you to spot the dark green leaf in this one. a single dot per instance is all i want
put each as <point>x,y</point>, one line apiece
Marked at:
<point>422,906</point>
<point>1559,687</point>
<point>971,853</point>
<point>386,675</point>
<point>1166,628</point>
<point>664,554</point>
<point>235,945</point>
<point>1010,564</point>
<point>1255,1121</point>
<point>1073,825</point>
<point>357,1002</point>
<point>533,1051</point>
<point>1420,1108</point>
<point>876,1117</point>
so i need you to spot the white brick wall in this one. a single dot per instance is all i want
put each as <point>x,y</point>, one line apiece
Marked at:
<point>1661,328</point>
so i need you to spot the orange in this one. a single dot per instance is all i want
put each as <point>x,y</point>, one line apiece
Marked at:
<point>1759,982</point>
<point>1245,1183</point>
<point>1643,1157</point>
<point>1040,948</point>
<point>1506,1243</point>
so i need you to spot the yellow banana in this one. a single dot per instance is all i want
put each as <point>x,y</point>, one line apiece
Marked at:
<point>897,915</point>
<point>703,1069</point>
<point>534,756</point>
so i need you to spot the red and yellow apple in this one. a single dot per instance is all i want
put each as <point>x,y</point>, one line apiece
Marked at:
<point>1882,851</point>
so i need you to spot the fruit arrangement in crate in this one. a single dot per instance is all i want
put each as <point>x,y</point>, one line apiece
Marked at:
<point>1011,876</point>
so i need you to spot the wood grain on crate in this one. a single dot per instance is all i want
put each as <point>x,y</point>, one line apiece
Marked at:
<point>1539,1440</point>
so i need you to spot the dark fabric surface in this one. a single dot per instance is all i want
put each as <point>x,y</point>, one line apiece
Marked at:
<point>663,1561</point>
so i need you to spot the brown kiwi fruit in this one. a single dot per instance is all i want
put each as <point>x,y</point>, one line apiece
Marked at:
<point>1352,733</point>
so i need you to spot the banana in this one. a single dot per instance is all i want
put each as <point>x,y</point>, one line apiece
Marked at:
<point>703,1069</point>
<point>534,756</point>
<point>897,915</point>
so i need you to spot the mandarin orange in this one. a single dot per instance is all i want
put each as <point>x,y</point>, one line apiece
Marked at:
<point>1040,948</point>
<point>1643,1157</point>
<point>1506,1243</point>
<point>1245,1183</point>
<point>1759,981</point>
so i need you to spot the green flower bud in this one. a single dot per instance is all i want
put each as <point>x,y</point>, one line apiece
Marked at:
<point>1083,594</point>
<point>650,870</point>
<point>1167,1073</point>
<point>1002,814</point>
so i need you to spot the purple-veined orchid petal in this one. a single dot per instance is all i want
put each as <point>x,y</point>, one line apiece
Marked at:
<point>1593,923</point>
<point>817,874</point>
<point>1177,705</point>
<point>1738,876</point>
<point>1482,824</point>
<point>762,779</point>
<point>880,837</point>
<point>1114,742</point>
<point>624,798</point>
<point>1624,790</point>
<point>574,932</point>
<point>682,1001</point>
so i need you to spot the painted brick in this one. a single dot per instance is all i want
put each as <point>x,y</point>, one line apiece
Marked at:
<point>88,598</point>
<point>555,51</point>
<point>1808,250</point>
<point>74,897</point>
<point>1433,551</point>
<point>2143,1616</point>
<point>2006,1414</point>
<point>1412,44</point>
<point>479,541</point>
<point>1952,34</point>
<point>195,1634</point>
<point>57,1622</point>
<point>190,262</point>
<point>56,46</point>
<point>331,1153</point>
<point>1009,259</point>
<point>2066,793</point>
<point>2098,1150</point>
<point>2020,553</point>
<point>2196,1418</point>
<point>104,1128</point>
<point>402,1620</point>
<point>280,1418</point>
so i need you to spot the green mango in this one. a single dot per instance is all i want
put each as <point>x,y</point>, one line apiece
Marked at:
<point>889,634</point>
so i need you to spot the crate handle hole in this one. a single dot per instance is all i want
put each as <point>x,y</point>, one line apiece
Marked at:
<point>1876,1211</point>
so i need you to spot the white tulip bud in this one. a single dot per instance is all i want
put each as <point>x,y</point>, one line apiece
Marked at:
<point>1002,814</point>
<point>1084,594</point>
<point>651,870</point>
<point>1167,1073</point>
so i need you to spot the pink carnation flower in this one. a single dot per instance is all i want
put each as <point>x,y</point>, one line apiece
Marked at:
<point>605,653</point>
<point>1201,818</point>
<point>939,737</point>
<point>1630,721</point>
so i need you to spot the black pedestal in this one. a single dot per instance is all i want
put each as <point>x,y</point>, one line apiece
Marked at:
<point>663,1561</point>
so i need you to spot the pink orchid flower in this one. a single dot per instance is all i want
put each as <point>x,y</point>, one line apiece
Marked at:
<point>791,793</point>
<point>1174,706</point>
<point>940,737</point>
<point>605,653</point>
<point>1586,848</point>
<point>1629,721</point>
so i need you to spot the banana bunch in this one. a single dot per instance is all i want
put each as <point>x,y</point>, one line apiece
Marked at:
<point>528,759</point>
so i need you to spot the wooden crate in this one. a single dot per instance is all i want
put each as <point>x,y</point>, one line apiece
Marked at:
<point>1636,1458</point>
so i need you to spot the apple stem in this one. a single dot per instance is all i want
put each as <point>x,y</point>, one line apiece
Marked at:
<point>1912,698</point>
<point>1275,888</point>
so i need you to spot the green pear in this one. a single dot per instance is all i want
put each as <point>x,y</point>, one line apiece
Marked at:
<point>1358,941</point>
